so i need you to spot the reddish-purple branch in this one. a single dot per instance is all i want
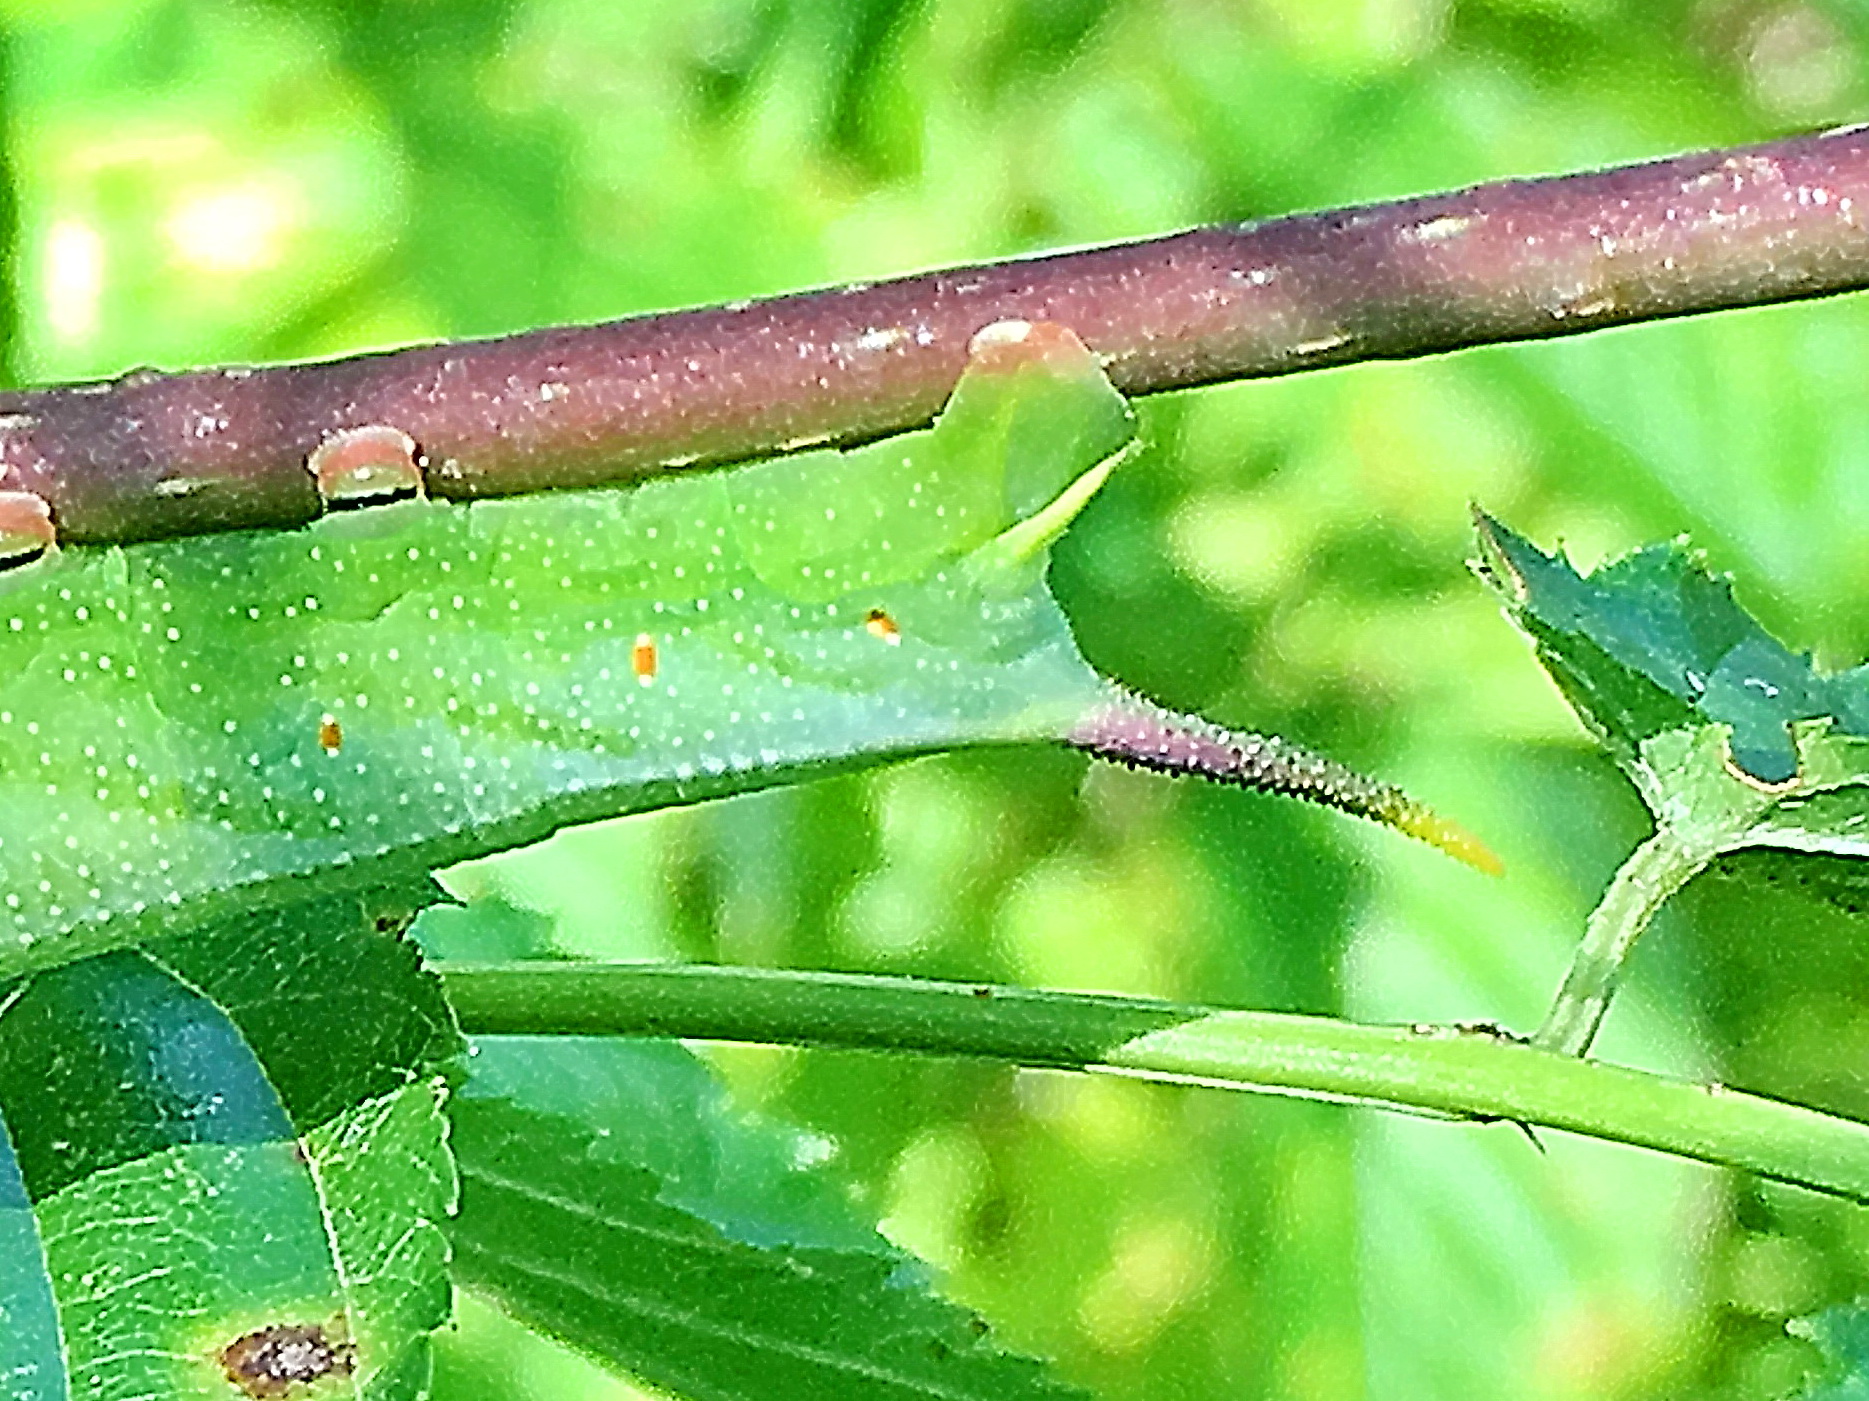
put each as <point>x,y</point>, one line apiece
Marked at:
<point>160,455</point>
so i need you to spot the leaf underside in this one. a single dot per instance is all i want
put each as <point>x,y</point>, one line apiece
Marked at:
<point>610,1198</point>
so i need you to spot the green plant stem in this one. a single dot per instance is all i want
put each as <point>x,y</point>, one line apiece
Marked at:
<point>1654,872</point>
<point>1438,1070</point>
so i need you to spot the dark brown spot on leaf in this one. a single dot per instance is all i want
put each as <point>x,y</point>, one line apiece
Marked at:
<point>287,1359</point>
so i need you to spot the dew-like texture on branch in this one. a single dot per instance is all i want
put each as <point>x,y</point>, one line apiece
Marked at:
<point>153,456</point>
<point>190,725</point>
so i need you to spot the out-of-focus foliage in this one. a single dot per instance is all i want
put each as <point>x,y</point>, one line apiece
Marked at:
<point>204,180</point>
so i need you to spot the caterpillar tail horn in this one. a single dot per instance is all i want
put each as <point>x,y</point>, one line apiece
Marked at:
<point>1131,730</point>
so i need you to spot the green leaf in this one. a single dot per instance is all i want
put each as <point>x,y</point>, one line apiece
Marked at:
<point>1651,642</point>
<point>111,1060</point>
<point>386,1184</point>
<point>194,727</point>
<point>489,930</point>
<point>1842,1335</point>
<point>200,1226</point>
<point>1733,740</point>
<point>657,1106</point>
<point>177,1211</point>
<point>353,1032</point>
<point>335,1006</point>
<point>163,1264</point>
<point>32,1361</point>
<point>610,1198</point>
<point>1837,882</point>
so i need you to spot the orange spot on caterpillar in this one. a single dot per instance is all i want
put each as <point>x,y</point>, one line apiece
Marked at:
<point>879,624</point>
<point>271,1362</point>
<point>330,734</point>
<point>366,466</point>
<point>643,659</point>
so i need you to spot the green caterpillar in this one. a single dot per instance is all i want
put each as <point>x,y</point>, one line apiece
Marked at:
<point>188,727</point>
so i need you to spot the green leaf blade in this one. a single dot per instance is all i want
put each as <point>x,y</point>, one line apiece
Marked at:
<point>386,1184</point>
<point>205,1244</point>
<point>178,1072</point>
<point>1651,642</point>
<point>1733,740</point>
<point>32,1360</point>
<point>202,1237</point>
<point>706,1261</point>
<point>337,1008</point>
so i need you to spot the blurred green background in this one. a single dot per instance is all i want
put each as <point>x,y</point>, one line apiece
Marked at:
<point>209,180</point>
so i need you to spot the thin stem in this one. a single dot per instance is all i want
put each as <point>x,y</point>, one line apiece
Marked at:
<point>1654,872</point>
<point>154,455</point>
<point>1433,1069</point>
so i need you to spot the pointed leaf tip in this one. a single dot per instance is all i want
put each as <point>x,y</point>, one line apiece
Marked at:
<point>1492,563</point>
<point>1654,642</point>
<point>1131,730</point>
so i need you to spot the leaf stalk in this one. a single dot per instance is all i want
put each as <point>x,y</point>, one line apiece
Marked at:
<point>1465,1073</point>
<point>1653,874</point>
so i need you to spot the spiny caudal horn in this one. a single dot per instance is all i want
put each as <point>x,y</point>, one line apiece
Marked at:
<point>1144,735</point>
